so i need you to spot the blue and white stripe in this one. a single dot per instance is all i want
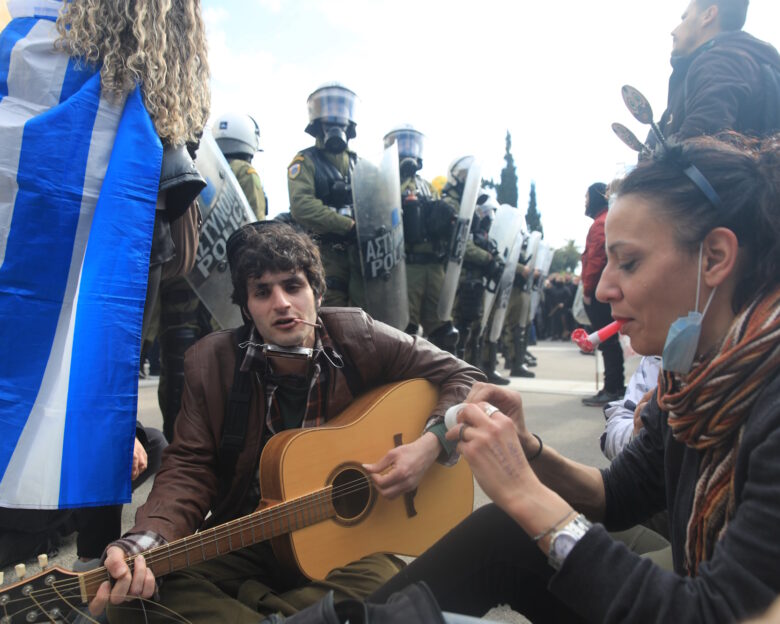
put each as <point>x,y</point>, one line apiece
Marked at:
<point>78,184</point>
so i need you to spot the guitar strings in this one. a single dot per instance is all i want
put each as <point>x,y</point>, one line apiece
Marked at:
<point>258,522</point>
<point>178,547</point>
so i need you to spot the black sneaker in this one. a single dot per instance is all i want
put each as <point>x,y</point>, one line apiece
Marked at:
<point>602,398</point>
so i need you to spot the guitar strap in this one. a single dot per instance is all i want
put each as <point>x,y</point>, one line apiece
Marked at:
<point>236,416</point>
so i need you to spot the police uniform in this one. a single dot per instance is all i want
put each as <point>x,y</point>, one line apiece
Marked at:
<point>318,182</point>
<point>425,254</point>
<point>518,316</point>
<point>249,181</point>
<point>470,301</point>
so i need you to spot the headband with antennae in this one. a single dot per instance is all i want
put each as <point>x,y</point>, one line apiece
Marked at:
<point>640,108</point>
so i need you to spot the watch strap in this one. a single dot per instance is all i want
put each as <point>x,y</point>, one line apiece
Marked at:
<point>565,538</point>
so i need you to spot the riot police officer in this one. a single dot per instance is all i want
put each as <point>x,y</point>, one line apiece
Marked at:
<point>482,269</point>
<point>518,318</point>
<point>238,136</point>
<point>480,264</point>
<point>427,229</point>
<point>319,184</point>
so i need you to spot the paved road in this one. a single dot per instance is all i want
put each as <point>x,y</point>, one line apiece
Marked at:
<point>553,411</point>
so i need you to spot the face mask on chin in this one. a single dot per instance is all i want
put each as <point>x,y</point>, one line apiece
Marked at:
<point>682,341</point>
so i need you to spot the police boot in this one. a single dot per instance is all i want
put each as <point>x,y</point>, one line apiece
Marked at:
<point>465,335</point>
<point>173,344</point>
<point>529,358</point>
<point>474,354</point>
<point>519,369</point>
<point>446,337</point>
<point>489,366</point>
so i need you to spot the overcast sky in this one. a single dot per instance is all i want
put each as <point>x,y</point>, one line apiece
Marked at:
<point>463,73</point>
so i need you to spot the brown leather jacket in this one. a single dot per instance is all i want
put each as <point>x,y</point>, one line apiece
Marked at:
<point>187,486</point>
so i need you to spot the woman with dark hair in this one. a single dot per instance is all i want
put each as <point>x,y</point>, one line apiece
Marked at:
<point>693,247</point>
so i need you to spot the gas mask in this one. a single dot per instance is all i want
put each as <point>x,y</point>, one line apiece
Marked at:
<point>334,137</point>
<point>408,167</point>
<point>683,337</point>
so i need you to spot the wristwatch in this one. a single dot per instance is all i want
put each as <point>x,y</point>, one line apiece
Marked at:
<point>564,539</point>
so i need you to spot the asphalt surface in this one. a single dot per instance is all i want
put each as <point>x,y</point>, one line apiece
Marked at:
<point>553,410</point>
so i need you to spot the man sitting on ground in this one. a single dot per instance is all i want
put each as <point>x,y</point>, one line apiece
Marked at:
<point>278,282</point>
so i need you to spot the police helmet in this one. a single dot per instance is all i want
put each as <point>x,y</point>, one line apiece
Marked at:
<point>487,203</point>
<point>334,103</point>
<point>458,170</point>
<point>409,141</point>
<point>236,133</point>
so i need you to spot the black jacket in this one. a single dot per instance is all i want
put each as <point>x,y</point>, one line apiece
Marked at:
<point>605,582</point>
<point>718,87</point>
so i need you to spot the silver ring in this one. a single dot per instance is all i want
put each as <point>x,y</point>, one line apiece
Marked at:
<point>462,429</point>
<point>490,410</point>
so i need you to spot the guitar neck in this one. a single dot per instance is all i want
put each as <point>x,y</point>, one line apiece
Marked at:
<point>259,526</point>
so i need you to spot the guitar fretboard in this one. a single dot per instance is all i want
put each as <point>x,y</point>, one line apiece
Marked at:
<point>259,526</point>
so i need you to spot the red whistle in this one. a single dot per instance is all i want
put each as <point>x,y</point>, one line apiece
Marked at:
<point>588,342</point>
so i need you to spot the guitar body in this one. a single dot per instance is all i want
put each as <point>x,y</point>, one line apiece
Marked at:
<point>300,461</point>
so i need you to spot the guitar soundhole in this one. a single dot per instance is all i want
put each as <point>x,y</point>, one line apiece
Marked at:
<point>353,495</point>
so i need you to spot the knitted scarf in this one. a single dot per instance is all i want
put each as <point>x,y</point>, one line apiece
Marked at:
<point>707,409</point>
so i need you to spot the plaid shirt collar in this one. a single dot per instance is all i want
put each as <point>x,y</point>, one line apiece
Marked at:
<point>316,408</point>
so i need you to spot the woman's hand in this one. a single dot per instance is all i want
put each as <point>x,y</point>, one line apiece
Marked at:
<point>491,446</point>
<point>511,404</point>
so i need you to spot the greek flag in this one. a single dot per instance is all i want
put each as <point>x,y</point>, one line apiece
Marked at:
<point>78,186</point>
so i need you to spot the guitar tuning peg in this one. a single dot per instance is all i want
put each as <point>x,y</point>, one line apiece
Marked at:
<point>21,570</point>
<point>2,577</point>
<point>43,560</point>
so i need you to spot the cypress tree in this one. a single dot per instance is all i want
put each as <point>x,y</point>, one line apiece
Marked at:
<point>507,189</point>
<point>532,217</point>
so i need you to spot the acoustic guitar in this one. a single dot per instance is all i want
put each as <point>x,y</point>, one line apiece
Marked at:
<point>319,507</point>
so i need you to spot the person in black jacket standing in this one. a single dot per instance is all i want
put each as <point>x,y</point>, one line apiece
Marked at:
<point>722,77</point>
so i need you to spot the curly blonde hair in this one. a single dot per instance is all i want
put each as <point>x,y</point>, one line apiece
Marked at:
<point>159,44</point>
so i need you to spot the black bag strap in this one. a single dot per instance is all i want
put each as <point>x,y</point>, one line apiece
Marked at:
<point>236,415</point>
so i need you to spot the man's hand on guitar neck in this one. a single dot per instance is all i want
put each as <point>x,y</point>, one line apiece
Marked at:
<point>402,468</point>
<point>139,584</point>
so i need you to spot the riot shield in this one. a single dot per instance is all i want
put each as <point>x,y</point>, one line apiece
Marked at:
<point>532,253</point>
<point>460,235</point>
<point>505,286</point>
<point>376,192</point>
<point>225,209</point>
<point>544,259</point>
<point>506,233</point>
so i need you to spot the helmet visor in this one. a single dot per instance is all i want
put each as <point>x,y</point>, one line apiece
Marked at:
<point>334,104</point>
<point>410,144</point>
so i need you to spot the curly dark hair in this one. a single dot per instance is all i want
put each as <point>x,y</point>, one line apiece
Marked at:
<point>274,246</point>
<point>745,173</point>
